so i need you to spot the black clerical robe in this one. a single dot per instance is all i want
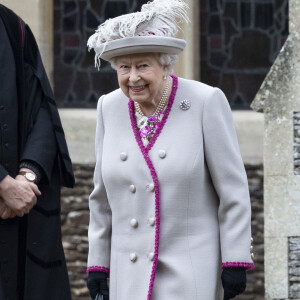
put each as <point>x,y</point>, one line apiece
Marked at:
<point>32,263</point>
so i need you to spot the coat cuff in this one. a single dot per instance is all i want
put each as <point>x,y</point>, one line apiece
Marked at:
<point>34,167</point>
<point>237,264</point>
<point>98,269</point>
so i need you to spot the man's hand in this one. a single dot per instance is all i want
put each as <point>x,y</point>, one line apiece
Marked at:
<point>21,178</point>
<point>18,194</point>
<point>5,212</point>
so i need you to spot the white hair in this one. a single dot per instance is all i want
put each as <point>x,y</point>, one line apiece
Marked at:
<point>164,59</point>
<point>168,60</point>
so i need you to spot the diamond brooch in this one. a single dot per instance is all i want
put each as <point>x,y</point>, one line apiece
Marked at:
<point>185,104</point>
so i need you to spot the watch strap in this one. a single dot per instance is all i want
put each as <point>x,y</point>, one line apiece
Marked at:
<point>34,167</point>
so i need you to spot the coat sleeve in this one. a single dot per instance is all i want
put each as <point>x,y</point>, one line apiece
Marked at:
<point>229,178</point>
<point>100,212</point>
<point>41,146</point>
<point>3,172</point>
<point>7,85</point>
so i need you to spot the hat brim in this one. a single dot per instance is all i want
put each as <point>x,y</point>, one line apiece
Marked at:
<point>140,44</point>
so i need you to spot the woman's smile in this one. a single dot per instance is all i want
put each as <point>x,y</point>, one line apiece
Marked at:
<point>137,89</point>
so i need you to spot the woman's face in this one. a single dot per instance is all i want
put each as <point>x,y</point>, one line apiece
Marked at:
<point>140,77</point>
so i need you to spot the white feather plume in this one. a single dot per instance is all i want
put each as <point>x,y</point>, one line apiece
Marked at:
<point>159,17</point>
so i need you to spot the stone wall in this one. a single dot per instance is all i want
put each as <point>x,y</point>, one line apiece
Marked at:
<point>75,217</point>
<point>294,267</point>
<point>297,143</point>
<point>255,285</point>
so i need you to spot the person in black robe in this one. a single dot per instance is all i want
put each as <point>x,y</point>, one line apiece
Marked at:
<point>34,164</point>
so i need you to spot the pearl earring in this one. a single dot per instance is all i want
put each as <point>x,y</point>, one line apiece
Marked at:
<point>165,77</point>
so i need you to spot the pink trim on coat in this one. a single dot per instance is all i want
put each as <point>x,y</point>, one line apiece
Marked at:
<point>98,269</point>
<point>145,152</point>
<point>236,264</point>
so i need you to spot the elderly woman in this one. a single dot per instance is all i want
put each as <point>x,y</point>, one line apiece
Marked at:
<point>170,211</point>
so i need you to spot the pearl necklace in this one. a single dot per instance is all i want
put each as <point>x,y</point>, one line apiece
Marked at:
<point>162,102</point>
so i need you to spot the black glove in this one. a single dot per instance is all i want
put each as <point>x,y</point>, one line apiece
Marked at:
<point>97,284</point>
<point>233,281</point>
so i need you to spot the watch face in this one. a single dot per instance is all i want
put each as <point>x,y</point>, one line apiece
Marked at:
<point>30,176</point>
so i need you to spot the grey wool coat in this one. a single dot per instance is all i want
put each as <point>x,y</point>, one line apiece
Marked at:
<point>164,221</point>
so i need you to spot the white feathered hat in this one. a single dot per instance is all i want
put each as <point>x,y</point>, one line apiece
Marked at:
<point>153,29</point>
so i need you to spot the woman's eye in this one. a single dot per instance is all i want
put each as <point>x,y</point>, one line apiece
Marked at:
<point>141,67</point>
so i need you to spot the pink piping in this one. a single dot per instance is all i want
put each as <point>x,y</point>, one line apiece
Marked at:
<point>97,269</point>
<point>145,152</point>
<point>235,264</point>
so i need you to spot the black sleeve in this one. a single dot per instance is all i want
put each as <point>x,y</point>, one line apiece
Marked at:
<point>3,172</point>
<point>41,146</point>
<point>33,59</point>
<point>7,85</point>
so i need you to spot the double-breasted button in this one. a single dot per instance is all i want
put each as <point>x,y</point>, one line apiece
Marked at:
<point>133,257</point>
<point>5,126</point>
<point>151,256</point>
<point>123,156</point>
<point>6,145</point>
<point>134,223</point>
<point>1,107</point>
<point>162,153</point>
<point>150,187</point>
<point>151,221</point>
<point>132,188</point>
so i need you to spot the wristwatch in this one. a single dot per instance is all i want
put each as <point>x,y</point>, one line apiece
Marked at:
<point>28,176</point>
